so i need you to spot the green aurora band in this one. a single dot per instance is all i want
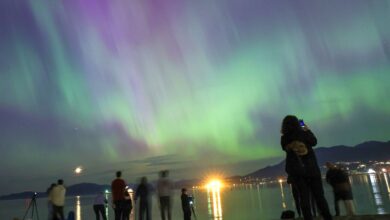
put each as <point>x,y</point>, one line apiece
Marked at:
<point>170,84</point>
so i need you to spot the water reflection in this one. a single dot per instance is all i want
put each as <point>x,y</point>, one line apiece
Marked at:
<point>214,202</point>
<point>377,193</point>
<point>259,197</point>
<point>78,208</point>
<point>106,197</point>
<point>387,184</point>
<point>284,206</point>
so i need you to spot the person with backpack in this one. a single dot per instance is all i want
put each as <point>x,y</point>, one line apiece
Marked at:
<point>301,165</point>
<point>342,189</point>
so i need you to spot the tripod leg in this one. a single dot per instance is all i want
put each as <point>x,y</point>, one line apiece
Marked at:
<point>32,210</point>
<point>28,208</point>
<point>36,210</point>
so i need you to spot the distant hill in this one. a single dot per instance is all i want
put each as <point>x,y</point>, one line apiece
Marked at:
<point>367,151</point>
<point>86,189</point>
<point>22,195</point>
<point>73,190</point>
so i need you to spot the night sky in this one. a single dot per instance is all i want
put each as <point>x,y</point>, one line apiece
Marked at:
<point>197,87</point>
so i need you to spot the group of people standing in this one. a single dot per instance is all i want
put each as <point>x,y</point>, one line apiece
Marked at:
<point>122,202</point>
<point>304,174</point>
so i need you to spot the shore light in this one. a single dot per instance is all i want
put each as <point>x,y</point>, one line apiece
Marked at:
<point>384,170</point>
<point>371,171</point>
<point>215,183</point>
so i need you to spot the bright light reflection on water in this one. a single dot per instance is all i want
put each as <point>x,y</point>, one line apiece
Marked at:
<point>377,193</point>
<point>78,208</point>
<point>387,184</point>
<point>284,205</point>
<point>214,200</point>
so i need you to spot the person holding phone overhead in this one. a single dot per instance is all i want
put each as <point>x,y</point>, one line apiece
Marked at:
<point>301,165</point>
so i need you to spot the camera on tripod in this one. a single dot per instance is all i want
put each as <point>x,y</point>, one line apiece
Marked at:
<point>32,207</point>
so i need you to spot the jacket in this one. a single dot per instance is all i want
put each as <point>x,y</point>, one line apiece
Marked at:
<point>57,195</point>
<point>118,187</point>
<point>304,166</point>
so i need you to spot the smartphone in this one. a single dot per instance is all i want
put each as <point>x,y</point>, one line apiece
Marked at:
<point>301,123</point>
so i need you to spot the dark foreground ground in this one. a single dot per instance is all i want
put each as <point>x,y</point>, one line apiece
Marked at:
<point>361,217</point>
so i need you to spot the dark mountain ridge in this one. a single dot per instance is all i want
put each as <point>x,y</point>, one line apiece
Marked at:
<point>73,190</point>
<point>364,152</point>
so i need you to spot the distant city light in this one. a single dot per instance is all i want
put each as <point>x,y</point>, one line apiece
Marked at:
<point>280,180</point>
<point>371,171</point>
<point>384,170</point>
<point>78,170</point>
<point>106,191</point>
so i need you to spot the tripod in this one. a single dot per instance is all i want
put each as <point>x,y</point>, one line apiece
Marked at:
<point>32,207</point>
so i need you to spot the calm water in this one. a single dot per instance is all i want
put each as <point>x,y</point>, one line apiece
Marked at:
<point>371,192</point>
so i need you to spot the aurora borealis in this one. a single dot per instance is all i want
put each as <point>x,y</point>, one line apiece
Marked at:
<point>141,85</point>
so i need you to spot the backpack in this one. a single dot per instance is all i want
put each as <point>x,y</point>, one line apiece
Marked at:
<point>298,147</point>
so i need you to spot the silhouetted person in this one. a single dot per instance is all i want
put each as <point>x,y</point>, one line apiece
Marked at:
<point>295,193</point>
<point>128,206</point>
<point>185,204</point>
<point>342,189</point>
<point>144,193</point>
<point>164,191</point>
<point>99,206</point>
<point>57,197</point>
<point>49,202</point>
<point>302,167</point>
<point>118,187</point>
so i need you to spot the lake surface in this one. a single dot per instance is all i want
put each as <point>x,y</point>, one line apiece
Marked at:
<point>246,202</point>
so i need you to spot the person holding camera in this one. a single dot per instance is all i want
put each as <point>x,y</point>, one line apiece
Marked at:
<point>186,204</point>
<point>301,165</point>
<point>342,189</point>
